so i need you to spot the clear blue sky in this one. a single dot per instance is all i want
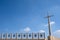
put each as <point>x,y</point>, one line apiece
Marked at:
<point>16,15</point>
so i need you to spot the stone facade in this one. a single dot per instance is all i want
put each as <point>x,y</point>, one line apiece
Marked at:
<point>52,38</point>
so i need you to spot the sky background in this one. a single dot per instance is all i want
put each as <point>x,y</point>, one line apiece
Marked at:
<point>22,15</point>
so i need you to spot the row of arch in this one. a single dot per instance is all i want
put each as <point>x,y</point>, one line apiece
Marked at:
<point>22,35</point>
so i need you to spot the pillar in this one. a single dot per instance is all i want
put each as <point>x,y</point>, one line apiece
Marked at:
<point>11,36</point>
<point>32,36</point>
<point>16,36</point>
<point>38,36</point>
<point>50,38</point>
<point>6,36</point>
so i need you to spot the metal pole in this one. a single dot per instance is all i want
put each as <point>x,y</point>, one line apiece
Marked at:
<point>49,26</point>
<point>48,17</point>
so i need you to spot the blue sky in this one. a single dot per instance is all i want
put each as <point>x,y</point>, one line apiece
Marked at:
<point>17,15</point>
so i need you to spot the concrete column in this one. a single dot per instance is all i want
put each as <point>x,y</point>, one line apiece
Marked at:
<point>1,36</point>
<point>11,36</point>
<point>44,35</point>
<point>32,36</point>
<point>50,38</point>
<point>27,36</point>
<point>38,36</point>
<point>21,36</point>
<point>16,36</point>
<point>6,36</point>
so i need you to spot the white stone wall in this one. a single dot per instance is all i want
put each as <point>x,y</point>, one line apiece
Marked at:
<point>15,36</point>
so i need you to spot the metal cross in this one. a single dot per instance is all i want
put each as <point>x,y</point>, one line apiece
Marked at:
<point>48,17</point>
